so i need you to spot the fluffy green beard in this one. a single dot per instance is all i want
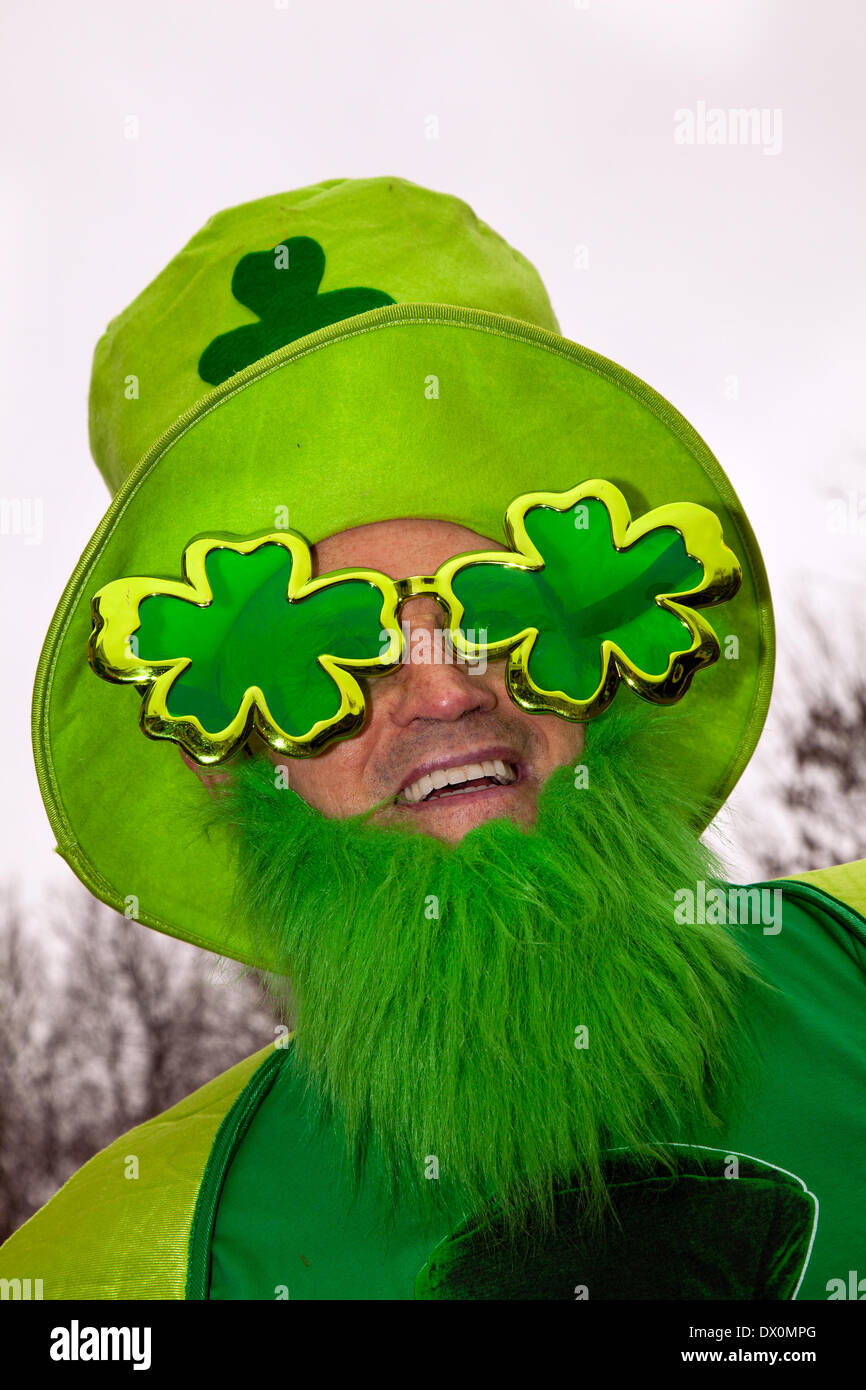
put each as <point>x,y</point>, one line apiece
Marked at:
<point>454,1036</point>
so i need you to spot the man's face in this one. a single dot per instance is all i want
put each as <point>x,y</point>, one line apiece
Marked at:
<point>445,740</point>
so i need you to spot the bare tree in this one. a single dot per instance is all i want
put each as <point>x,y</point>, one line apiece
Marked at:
<point>112,1026</point>
<point>30,1109</point>
<point>816,777</point>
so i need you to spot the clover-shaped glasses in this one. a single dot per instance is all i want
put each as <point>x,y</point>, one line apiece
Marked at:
<point>583,597</point>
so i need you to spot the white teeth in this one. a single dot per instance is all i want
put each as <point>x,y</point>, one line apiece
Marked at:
<point>457,778</point>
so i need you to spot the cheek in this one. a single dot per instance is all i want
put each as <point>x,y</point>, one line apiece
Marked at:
<point>332,781</point>
<point>563,739</point>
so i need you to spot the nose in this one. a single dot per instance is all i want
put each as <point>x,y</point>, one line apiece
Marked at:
<point>431,683</point>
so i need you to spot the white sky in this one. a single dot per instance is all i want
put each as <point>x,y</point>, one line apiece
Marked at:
<point>556,123</point>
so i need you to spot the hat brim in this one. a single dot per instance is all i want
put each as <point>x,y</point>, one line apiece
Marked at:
<point>343,428</point>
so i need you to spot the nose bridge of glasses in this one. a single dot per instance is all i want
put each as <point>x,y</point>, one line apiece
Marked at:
<point>420,586</point>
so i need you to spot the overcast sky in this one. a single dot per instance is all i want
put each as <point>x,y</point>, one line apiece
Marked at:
<point>729,276</point>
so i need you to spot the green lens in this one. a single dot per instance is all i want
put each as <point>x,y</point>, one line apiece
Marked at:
<point>587,592</point>
<point>251,635</point>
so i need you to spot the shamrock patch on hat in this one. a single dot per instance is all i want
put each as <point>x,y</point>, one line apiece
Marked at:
<point>281,286</point>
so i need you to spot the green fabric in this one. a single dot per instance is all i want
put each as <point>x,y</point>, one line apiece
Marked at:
<point>660,1242</point>
<point>411,243</point>
<point>844,882</point>
<point>281,286</point>
<point>283,1217</point>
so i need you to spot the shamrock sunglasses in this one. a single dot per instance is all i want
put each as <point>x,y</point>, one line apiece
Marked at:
<point>246,642</point>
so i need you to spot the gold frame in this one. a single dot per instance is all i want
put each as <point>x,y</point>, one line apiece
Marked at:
<point>115,613</point>
<point>701,532</point>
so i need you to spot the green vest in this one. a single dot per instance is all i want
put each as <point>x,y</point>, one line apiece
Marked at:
<point>240,1196</point>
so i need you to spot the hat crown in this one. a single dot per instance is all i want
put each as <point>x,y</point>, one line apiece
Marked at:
<point>265,273</point>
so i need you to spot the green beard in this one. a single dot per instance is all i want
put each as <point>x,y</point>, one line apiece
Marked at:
<point>498,1012</point>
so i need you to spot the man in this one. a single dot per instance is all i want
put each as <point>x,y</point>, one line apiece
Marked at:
<point>416,586</point>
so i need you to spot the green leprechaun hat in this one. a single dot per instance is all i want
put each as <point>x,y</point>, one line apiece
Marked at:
<point>282,361</point>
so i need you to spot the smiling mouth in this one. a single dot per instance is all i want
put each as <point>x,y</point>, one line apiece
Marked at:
<point>443,783</point>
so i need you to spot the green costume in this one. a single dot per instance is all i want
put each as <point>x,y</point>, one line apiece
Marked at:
<point>241,382</point>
